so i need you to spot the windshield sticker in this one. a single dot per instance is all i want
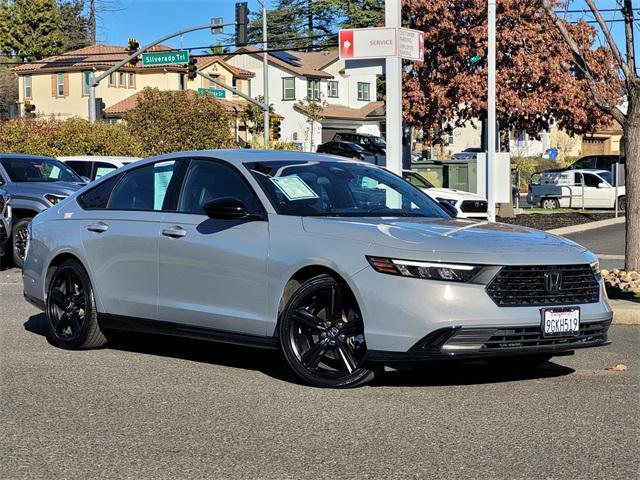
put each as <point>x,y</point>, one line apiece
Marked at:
<point>294,187</point>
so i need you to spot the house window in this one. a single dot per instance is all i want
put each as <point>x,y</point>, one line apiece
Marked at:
<point>234,84</point>
<point>332,89</point>
<point>313,89</point>
<point>60,84</point>
<point>182,81</point>
<point>363,92</point>
<point>122,79</point>
<point>86,83</point>
<point>288,88</point>
<point>27,86</point>
<point>211,84</point>
<point>132,80</point>
<point>112,79</point>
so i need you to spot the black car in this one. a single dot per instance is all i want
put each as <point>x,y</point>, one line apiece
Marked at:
<point>601,162</point>
<point>371,143</point>
<point>346,149</point>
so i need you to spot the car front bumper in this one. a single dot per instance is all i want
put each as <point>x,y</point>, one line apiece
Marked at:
<point>416,319</point>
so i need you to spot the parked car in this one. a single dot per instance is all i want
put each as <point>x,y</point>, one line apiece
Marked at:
<point>470,153</point>
<point>6,221</point>
<point>371,143</point>
<point>466,204</point>
<point>339,263</point>
<point>346,149</point>
<point>35,183</point>
<point>564,189</point>
<point>94,167</point>
<point>599,162</point>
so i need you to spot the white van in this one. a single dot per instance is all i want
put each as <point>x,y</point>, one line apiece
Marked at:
<point>585,188</point>
<point>94,167</point>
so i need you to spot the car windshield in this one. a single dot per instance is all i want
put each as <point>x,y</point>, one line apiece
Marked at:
<point>38,169</point>
<point>378,141</point>
<point>340,189</point>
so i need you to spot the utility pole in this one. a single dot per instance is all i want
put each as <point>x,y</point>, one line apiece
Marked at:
<point>92,98</point>
<point>393,15</point>
<point>491,109</point>
<point>265,69</point>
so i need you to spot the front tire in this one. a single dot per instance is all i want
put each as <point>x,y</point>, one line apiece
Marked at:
<point>71,309</point>
<point>550,203</point>
<point>19,239</point>
<point>322,335</point>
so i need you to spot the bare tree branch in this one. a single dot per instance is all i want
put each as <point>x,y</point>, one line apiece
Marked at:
<point>581,63</point>
<point>629,74</point>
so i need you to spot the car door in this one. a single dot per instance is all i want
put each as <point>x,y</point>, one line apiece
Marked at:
<point>600,192</point>
<point>121,239</point>
<point>212,273</point>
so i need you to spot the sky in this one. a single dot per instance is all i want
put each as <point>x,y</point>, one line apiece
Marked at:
<point>147,20</point>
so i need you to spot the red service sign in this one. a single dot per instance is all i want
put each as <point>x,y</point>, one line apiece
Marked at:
<point>382,42</point>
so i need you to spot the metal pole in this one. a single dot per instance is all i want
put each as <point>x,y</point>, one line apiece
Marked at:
<point>92,98</point>
<point>582,177</point>
<point>614,168</point>
<point>393,17</point>
<point>491,107</point>
<point>265,69</point>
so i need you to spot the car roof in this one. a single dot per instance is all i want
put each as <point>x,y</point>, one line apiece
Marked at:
<point>24,156</point>
<point>579,170</point>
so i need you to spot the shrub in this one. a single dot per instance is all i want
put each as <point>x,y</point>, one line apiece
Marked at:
<point>168,121</point>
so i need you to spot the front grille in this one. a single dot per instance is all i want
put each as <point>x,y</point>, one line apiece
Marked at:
<point>474,206</point>
<point>520,286</point>
<point>501,339</point>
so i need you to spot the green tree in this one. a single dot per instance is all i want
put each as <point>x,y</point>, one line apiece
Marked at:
<point>169,121</point>
<point>74,24</point>
<point>253,116</point>
<point>8,88</point>
<point>284,25</point>
<point>31,29</point>
<point>314,111</point>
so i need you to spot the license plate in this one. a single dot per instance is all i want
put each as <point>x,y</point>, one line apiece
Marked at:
<point>560,321</point>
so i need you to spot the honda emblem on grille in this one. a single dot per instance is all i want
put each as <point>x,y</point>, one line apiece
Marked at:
<point>553,282</point>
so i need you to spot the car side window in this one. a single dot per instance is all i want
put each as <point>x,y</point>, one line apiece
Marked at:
<point>207,180</point>
<point>102,168</point>
<point>81,168</point>
<point>603,163</point>
<point>143,188</point>
<point>591,180</point>
<point>98,197</point>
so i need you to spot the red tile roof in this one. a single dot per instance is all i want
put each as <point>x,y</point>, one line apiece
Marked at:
<point>371,111</point>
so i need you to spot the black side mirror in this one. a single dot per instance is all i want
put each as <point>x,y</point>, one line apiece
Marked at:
<point>228,208</point>
<point>450,209</point>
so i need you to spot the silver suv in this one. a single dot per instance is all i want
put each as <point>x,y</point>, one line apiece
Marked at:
<point>341,264</point>
<point>35,183</point>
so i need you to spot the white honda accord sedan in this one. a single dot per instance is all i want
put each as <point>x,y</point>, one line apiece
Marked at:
<point>341,264</point>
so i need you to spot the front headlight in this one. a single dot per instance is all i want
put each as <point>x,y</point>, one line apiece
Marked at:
<point>595,268</point>
<point>449,272</point>
<point>450,201</point>
<point>52,198</point>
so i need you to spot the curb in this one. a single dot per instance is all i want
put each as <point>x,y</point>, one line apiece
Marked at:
<point>625,312</point>
<point>587,226</point>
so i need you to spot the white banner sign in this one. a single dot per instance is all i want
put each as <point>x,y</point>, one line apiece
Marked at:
<point>382,42</point>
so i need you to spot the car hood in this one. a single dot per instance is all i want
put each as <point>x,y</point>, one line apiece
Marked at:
<point>453,194</point>
<point>452,240</point>
<point>42,188</point>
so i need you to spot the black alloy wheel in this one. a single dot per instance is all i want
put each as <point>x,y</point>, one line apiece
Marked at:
<point>322,335</point>
<point>19,239</point>
<point>70,309</point>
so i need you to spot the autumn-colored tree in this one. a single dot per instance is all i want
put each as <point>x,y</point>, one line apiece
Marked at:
<point>537,83</point>
<point>625,70</point>
<point>170,121</point>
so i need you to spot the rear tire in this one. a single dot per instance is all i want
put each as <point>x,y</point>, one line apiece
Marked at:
<point>322,335</point>
<point>71,309</point>
<point>19,237</point>
<point>622,203</point>
<point>550,203</point>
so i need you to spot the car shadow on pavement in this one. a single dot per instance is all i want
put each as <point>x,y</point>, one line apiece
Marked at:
<point>272,363</point>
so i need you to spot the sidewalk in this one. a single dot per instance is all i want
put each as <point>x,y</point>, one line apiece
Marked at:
<point>625,312</point>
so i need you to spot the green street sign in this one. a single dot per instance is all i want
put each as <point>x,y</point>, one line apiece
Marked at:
<point>165,58</point>
<point>218,93</point>
<point>475,59</point>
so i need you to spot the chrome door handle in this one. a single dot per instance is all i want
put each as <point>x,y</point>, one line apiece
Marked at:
<point>174,232</point>
<point>98,227</point>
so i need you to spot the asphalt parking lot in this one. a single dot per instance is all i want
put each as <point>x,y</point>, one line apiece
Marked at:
<point>149,407</point>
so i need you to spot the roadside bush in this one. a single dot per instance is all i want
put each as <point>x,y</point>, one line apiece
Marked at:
<point>168,121</point>
<point>70,137</point>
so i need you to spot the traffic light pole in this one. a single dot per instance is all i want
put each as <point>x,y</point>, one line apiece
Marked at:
<point>265,81</point>
<point>92,98</point>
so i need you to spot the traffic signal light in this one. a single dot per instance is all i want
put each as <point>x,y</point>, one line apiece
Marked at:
<point>277,132</point>
<point>100,106</point>
<point>242,24</point>
<point>30,110</point>
<point>192,68</point>
<point>132,47</point>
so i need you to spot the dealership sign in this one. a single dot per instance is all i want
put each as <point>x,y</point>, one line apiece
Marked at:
<point>382,42</point>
